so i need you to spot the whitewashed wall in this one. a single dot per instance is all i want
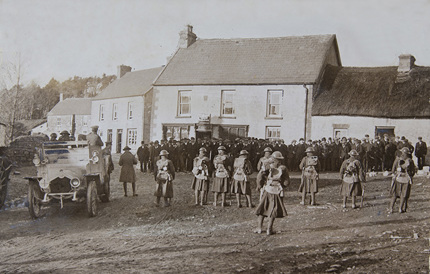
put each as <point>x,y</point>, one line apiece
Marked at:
<point>122,122</point>
<point>83,123</point>
<point>322,126</point>
<point>250,108</point>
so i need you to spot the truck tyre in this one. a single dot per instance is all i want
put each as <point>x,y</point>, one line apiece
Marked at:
<point>92,199</point>
<point>34,200</point>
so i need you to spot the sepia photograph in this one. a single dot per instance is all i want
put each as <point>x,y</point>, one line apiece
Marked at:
<point>214,136</point>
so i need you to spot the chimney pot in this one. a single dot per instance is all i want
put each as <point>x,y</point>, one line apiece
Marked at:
<point>122,70</point>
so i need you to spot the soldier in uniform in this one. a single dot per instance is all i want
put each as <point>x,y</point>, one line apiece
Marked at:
<point>164,176</point>
<point>272,204</point>
<point>310,166</point>
<point>128,175</point>
<point>106,152</point>
<point>95,144</point>
<point>242,168</point>
<point>53,137</point>
<point>65,136</point>
<point>94,139</point>
<point>421,152</point>
<point>403,172</point>
<point>221,182</point>
<point>352,175</point>
<point>201,171</point>
<point>263,170</point>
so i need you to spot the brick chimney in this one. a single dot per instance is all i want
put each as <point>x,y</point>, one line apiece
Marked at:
<point>406,63</point>
<point>187,37</point>
<point>61,97</point>
<point>122,70</point>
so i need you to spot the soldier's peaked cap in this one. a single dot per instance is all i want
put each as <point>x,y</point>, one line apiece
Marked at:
<point>221,148</point>
<point>203,149</point>
<point>127,148</point>
<point>95,126</point>
<point>64,132</point>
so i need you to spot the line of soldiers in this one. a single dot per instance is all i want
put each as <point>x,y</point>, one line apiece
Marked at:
<point>376,154</point>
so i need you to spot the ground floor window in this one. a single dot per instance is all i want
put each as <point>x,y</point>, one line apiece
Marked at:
<point>382,130</point>
<point>273,133</point>
<point>177,132</point>
<point>131,136</point>
<point>340,130</point>
<point>233,132</point>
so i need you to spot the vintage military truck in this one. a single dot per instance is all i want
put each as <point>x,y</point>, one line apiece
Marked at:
<point>5,165</point>
<point>68,171</point>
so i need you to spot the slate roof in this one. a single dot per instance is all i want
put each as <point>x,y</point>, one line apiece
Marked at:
<point>135,83</point>
<point>373,92</point>
<point>69,106</point>
<point>282,60</point>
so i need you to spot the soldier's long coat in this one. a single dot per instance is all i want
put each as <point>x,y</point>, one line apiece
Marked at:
<point>126,161</point>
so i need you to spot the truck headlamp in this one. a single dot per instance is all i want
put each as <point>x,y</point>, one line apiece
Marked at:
<point>75,182</point>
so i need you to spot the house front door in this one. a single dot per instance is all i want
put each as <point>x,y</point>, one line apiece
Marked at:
<point>118,140</point>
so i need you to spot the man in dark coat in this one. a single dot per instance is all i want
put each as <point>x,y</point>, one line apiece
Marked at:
<point>421,152</point>
<point>143,156</point>
<point>127,175</point>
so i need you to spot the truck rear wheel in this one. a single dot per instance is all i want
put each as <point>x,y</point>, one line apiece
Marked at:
<point>92,199</point>
<point>34,200</point>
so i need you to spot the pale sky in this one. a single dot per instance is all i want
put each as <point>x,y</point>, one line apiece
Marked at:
<point>62,39</point>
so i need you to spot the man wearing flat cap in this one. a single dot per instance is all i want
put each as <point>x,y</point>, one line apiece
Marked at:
<point>93,138</point>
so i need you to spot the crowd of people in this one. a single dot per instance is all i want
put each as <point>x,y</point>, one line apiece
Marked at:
<point>376,154</point>
<point>223,167</point>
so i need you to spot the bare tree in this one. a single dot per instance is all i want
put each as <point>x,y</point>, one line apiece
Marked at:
<point>12,73</point>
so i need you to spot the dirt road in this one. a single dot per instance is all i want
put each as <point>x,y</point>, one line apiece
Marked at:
<point>130,234</point>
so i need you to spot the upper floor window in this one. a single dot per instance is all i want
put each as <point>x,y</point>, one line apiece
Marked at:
<point>58,121</point>
<point>184,103</point>
<point>274,103</point>
<point>227,103</point>
<point>130,111</point>
<point>115,111</point>
<point>102,113</point>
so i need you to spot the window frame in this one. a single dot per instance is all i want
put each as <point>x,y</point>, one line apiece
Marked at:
<point>102,112</point>
<point>130,111</point>
<point>132,137</point>
<point>223,103</point>
<point>270,92</point>
<point>115,112</point>
<point>180,104</point>
<point>270,129</point>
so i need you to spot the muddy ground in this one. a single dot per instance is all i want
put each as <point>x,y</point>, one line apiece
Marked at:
<point>130,234</point>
